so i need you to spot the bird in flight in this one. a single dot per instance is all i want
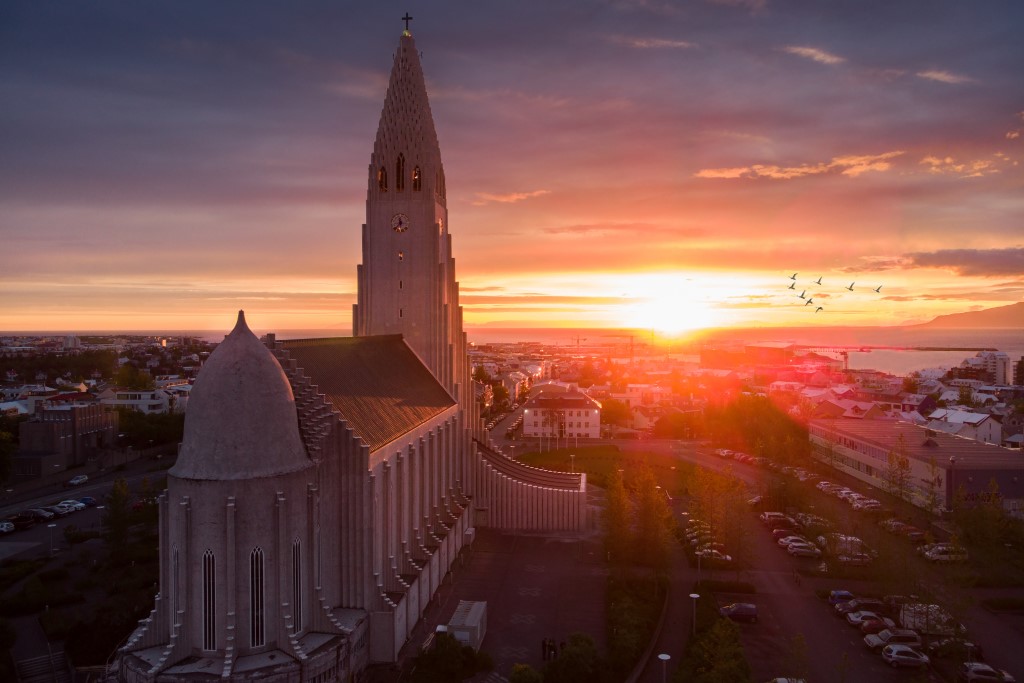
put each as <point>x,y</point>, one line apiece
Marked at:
<point>851,286</point>
<point>819,308</point>
<point>801,294</point>
<point>792,285</point>
<point>818,281</point>
<point>793,276</point>
<point>878,288</point>
<point>809,301</point>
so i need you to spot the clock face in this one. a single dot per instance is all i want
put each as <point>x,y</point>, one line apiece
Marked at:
<point>399,222</point>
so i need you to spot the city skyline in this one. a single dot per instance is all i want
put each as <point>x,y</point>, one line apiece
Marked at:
<point>621,164</point>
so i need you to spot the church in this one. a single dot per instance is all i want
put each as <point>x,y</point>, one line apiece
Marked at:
<point>324,487</point>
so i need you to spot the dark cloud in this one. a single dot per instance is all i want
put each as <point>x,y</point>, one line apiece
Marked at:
<point>973,262</point>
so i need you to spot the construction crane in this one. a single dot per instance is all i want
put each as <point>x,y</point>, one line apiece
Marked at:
<point>577,340</point>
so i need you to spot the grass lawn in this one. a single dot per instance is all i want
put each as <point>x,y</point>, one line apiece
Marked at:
<point>600,462</point>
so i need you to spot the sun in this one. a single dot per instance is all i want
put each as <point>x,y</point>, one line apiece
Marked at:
<point>672,306</point>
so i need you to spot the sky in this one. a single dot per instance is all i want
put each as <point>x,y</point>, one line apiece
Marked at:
<point>644,163</point>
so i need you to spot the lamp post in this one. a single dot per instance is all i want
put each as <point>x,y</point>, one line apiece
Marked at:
<point>572,463</point>
<point>952,483</point>
<point>50,527</point>
<point>694,597</point>
<point>664,666</point>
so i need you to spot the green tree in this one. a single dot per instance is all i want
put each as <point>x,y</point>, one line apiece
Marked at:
<point>652,519</point>
<point>130,377</point>
<point>615,413</point>
<point>117,519</point>
<point>524,673</point>
<point>717,657</point>
<point>578,662</point>
<point>897,470</point>
<point>617,519</point>
<point>480,374</point>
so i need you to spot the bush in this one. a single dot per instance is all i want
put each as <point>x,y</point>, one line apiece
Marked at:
<point>34,596</point>
<point>13,571</point>
<point>449,660</point>
<point>50,575</point>
<point>634,605</point>
<point>58,624</point>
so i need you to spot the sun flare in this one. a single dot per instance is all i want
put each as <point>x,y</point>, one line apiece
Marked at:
<point>672,306</point>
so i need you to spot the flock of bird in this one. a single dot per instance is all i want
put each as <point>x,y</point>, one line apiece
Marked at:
<point>809,300</point>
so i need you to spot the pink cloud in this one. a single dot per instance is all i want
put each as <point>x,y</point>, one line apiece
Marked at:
<point>944,77</point>
<point>507,198</point>
<point>815,54</point>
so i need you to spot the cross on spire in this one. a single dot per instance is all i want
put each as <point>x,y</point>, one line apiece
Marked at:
<point>407,19</point>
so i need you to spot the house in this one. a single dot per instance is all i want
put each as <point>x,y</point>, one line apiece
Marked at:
<point>146,401</point>
<point>977,426</point>
<point>568,414</point>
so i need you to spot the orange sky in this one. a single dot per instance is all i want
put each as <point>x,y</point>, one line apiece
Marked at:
<point>608,164</point>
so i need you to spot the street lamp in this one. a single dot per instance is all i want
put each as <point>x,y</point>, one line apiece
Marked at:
<point>572,463</point>
<point>50,527</point>
<point>694,597</point>
<point>952,482</point>
<point>664,665</point>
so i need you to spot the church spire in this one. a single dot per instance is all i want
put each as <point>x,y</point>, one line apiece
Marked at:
<point>406,154</point>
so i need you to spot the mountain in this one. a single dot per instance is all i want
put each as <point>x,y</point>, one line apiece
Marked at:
<point>1011,316</point>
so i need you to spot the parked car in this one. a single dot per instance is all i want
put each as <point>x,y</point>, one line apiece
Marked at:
<point>740,611</point>
<point>782,533</point>
<point>858,605</point>
<point>903,655</point>
<point>892,636</point>
<point>712,555</point>
<point>838,596</point>
<point>75,505</point>
<point>803,550</point>
<point>947,554</point>
<point>855,559</point>
<point>23,520</point>
<point>786,540</point>
<point>78,480</point>
<point>88,501</point>
<point>954,647</point>
<point>879,623</point>
<point>6,527</point>
<point>976,671</point>
<point>859,617</point>
<point>40,514</point>
<point>59,510</point>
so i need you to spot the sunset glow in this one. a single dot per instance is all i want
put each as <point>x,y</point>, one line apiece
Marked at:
<point>165,166</point>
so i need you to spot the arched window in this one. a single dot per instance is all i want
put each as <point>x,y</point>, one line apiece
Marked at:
<point>175,606</point>
<point>400,173</point>
<point>296,586</point>
<point>209,601</point>
<point>382,179</point>
<point>417,180</point>
<point>256,630</point>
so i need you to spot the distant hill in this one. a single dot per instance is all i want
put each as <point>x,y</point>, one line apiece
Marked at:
<point>1011,316</point>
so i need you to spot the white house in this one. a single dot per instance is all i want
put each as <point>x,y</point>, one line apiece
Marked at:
<point>569,414</point>
<point>977,426</point>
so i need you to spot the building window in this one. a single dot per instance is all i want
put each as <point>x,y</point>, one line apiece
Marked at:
<point>174,585</point>
<point>209,601</point>
<point>296,586</point>
<point>417,180</point>
<point>399,312</point>
<point>400,173</point>
<point>382,179</point>
<point>256,631</point>
<point>401,256</point>
<point>399,284</point>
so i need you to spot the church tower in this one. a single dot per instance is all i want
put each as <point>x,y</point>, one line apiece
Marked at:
<point>406,282</point>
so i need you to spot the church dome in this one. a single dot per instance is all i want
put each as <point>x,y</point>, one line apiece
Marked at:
<point>241,421</point>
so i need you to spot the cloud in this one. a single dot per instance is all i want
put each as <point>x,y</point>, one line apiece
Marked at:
<point>623,228</point>
<point>850,165</point>
<point>871,264</point>
<point>749,4</point>
<point>508,198</point>
<point>944,77</point>
<point>1013,135</point>
<point>965,169</point>
<point>652,43</point>
<point>972,262</point>
<point>814,53</point>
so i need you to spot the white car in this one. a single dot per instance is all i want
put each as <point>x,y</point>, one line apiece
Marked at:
<point>786,540</point>
<point>78,480</point>
<point>801,549</point>
<point>903,655</point>
<point>976,671</point>
<point>858,618</point>
<point>75,505</point>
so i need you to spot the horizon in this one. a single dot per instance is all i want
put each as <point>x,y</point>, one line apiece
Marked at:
<point>684,169</point>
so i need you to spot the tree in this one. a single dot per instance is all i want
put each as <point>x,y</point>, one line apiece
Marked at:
<point>897,470</point>
<point>615,413</point>
<point>616,517</point>
<point>966,397</point>
<point>130,377</point>
<point>7,449</point>
<point>116,519</point>
<point>501,398</point>
<point>524,673</point>
<point>578,662</point>
<point>717,657</point>
<point>652,519</point>
<point>480,374</point>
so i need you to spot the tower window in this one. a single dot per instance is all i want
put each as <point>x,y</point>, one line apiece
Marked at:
<point>401,256</point>
<point>297,586</point>
<point>417,180</point>
<point>209,601</point>
<point>400,173</point>
<point>399,312</point>
<point>256,630</point>
<point>382,179</point>
<point>399,284</point>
